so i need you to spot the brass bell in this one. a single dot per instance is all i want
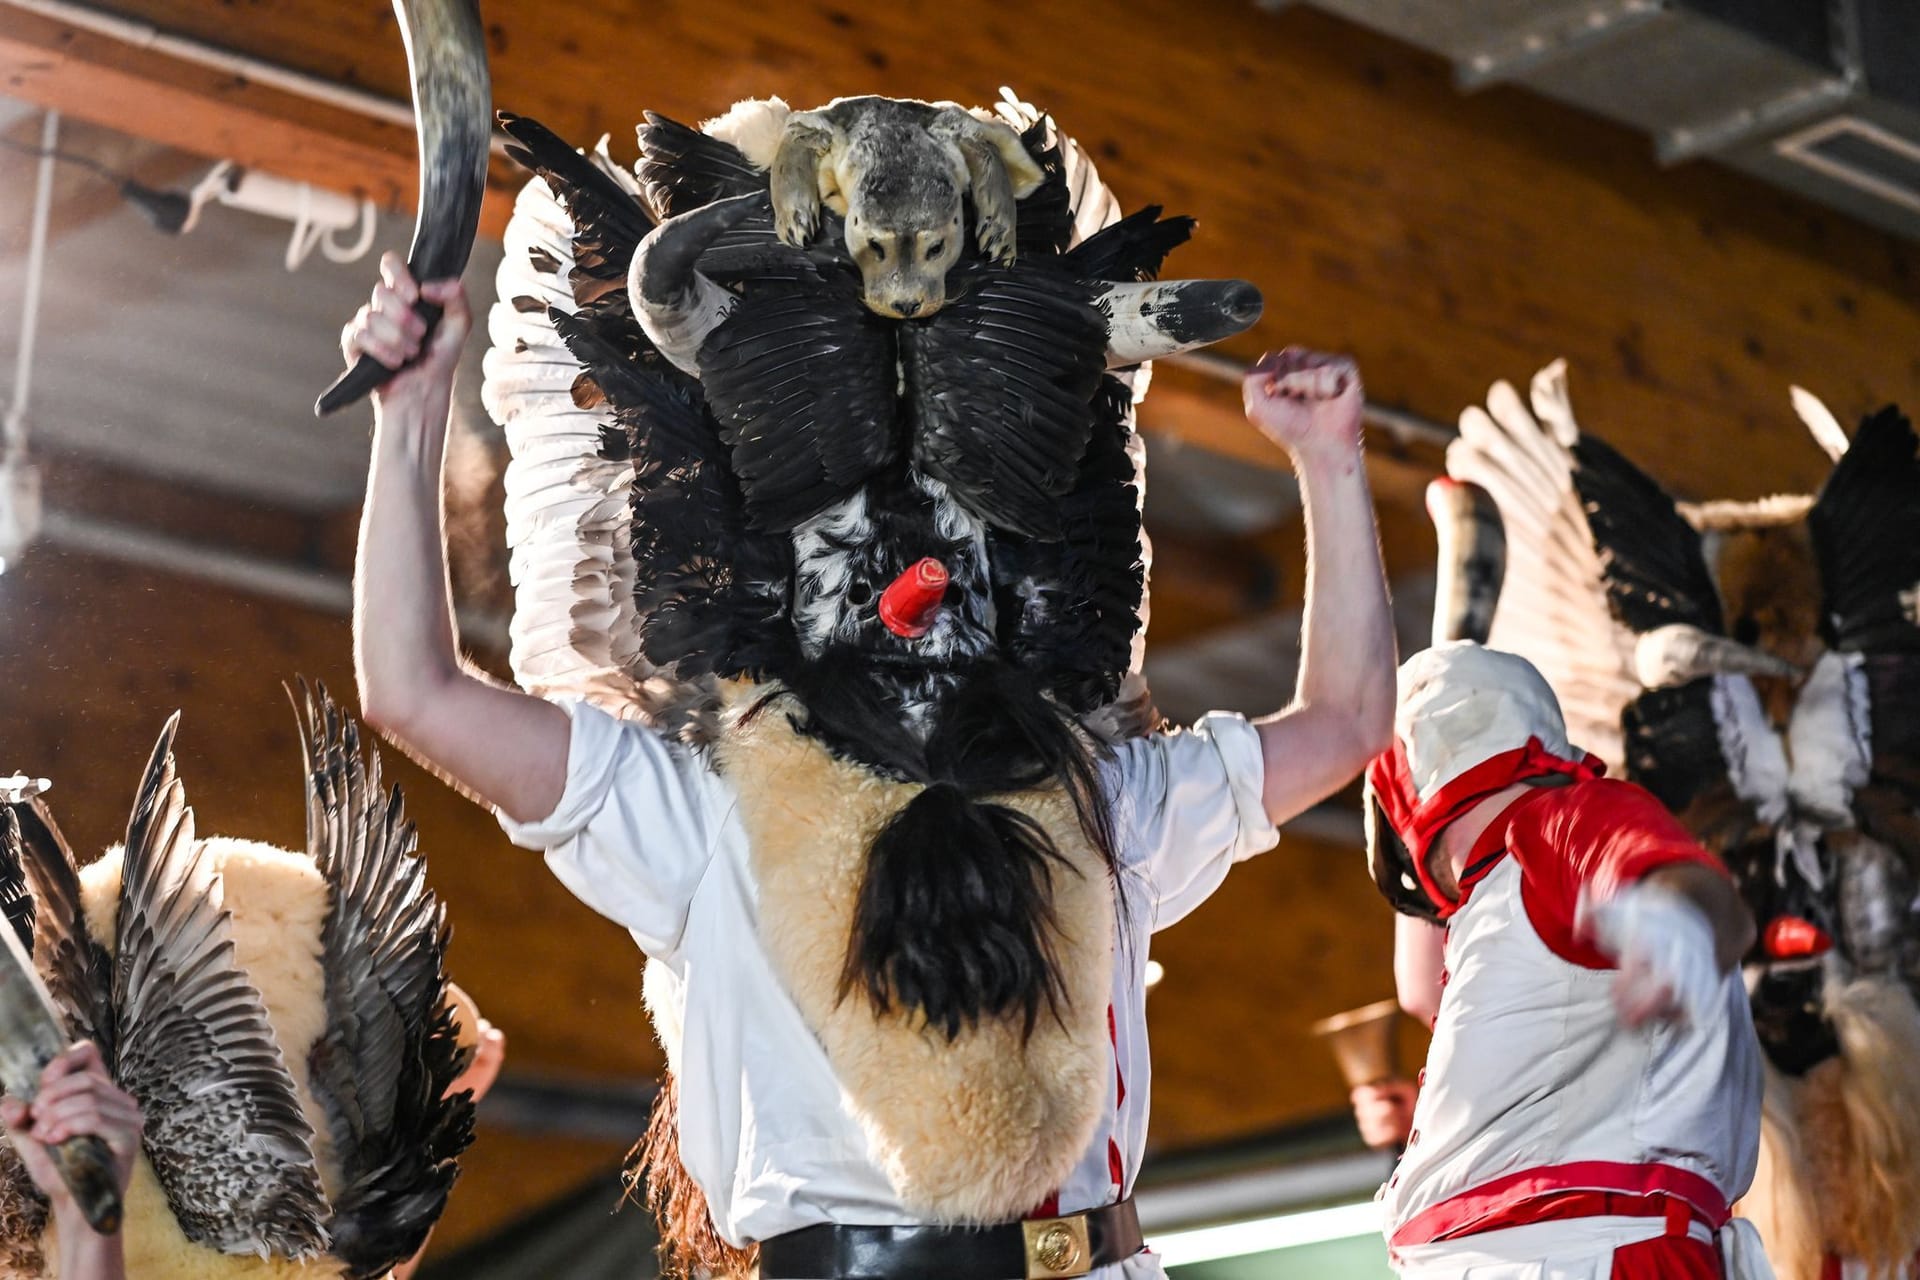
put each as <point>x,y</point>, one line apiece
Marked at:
<point>1362,1041</point>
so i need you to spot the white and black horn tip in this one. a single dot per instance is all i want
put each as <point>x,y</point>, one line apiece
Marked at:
<point>676,304</point>
<point>1161,318</point>
<point>1472,562</point>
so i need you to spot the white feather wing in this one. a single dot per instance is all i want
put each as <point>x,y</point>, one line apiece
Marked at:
<point>1553,605</point>
<point>575,630</point>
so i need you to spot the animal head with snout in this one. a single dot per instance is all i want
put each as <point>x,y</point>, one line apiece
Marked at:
<point>897,171</point>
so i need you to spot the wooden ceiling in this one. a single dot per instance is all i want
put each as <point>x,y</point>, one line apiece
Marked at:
<point>1447,241</point>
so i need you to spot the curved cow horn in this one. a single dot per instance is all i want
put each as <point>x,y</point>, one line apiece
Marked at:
<point>1147,321</point>
<point>453,116</point>
<point>1677,653</point>
<point>676,305</point>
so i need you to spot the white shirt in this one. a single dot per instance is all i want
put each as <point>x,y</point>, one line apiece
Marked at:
<point>1532,1086</point>
<point>647,835</point>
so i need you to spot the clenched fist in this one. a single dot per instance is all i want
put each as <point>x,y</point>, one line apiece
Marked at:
<point>1307,402</point>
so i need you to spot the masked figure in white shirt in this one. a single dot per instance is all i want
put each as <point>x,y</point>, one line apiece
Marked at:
<point>829,610</point>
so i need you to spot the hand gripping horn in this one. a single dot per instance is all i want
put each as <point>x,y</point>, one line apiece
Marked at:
<point>32,1032</point>
<point>453,111</point>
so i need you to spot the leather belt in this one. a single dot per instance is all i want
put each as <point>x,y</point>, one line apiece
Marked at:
<point>1038,1249</point>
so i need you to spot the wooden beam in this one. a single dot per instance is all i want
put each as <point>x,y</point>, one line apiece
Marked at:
<point>1446,240</point>
<point>94,77</point>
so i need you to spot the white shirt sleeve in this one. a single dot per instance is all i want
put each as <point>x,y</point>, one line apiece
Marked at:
<point>635,828</point>
<point>1187,807</point>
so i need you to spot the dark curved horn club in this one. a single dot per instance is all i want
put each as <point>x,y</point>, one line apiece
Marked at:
<point>676,305</point>
<point>453,109</point>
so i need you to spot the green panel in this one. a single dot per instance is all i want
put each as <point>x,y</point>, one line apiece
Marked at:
<point>1361,1258</point>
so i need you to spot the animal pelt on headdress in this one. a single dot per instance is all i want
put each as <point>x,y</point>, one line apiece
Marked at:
<point>1840,1146</point>
<point>281,1018</point>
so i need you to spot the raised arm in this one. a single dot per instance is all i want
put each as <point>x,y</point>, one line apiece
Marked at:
<point>1419,956</point>
<point>506,747</point>
<point>1342,710</point>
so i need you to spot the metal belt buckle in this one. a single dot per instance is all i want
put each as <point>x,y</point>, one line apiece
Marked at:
<point>1057,1247</point>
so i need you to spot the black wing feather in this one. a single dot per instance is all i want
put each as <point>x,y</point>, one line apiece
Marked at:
<point>1044,220</point>
<point>388,1055</point>
<point>1069,608</point>
<point>801,379</point>
<point>711,592</point>
<point>224,1128</point>
<point>1866,535</point>
<point>682,168</point>
<point>608,221</point>
<point>1132,249</point>
<point>1000,387</point>
<point>78,971</point>
<point>1655,571</point>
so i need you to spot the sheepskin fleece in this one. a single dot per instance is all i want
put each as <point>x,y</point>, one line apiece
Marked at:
<point>1840,1147</point>
<point>278,903</point>
<point>157,1250</point>
<point>979,1129</point>
<point>752,126</point>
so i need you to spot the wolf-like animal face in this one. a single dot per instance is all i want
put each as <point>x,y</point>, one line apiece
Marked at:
<point>904,226</point>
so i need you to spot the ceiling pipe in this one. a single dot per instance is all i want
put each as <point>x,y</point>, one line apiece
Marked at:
<point>19,478</point>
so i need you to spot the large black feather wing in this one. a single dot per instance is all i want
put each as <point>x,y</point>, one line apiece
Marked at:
<point>1866,535</point>
<point>1069,608</point>
<point>710,592</point>
<point>801,383</point>
<point>1000,386</point>
<point>224,1128</point>
<point>1655,571</point>
<point>382,1067</point>
<point>1132,249</point>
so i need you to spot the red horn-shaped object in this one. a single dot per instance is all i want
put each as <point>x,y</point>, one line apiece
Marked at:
<point>1792,938</point>
<point>912,601</point>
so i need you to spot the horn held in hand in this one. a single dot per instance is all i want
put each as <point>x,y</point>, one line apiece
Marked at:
<point>31,1035</point>
<point>453,109</point>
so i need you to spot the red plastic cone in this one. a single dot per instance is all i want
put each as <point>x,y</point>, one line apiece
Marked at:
<point>912,601</point>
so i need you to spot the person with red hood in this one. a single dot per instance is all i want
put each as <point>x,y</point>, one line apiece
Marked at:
<point>1590,1105</point>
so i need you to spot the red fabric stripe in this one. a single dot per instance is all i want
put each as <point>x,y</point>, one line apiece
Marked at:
<point>1667,1259</point>
<point>1497,1203</point>
<point>1048,1208</point>
<point>1114,1168</point>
